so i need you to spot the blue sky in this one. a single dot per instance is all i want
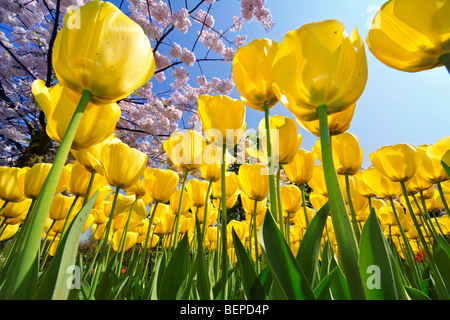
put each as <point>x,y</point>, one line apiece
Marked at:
<point>396,107</point>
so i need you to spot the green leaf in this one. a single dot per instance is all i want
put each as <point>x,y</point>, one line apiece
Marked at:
<point>446,167</point>
<point>282,262</point>
<point>308,253</point>
<point>415,294</point>
<point>176,272</point>
<point>54,283</point>
<point>266,280</point>
<point>321,291</point>
<point>381,277</point>
<point>339,286</point>
<point>250,282</point>
<point>442,259</point>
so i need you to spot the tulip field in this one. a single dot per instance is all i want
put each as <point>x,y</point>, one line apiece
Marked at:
<point>313,224</point>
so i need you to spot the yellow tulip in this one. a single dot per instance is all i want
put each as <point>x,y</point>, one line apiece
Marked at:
<point>252,72</point>
<point>123,204</point>
<point>411,35</point>
<point>317,181</point>
<point>90,157</point>
<point>123,165</point>
<point>382,186</point>
<point>175,202</point>
<point>415,185</point>
<point>212,171</point>
<point>317,65</point>
<point>9,231</point>
<point>337,122</point>
<point>60,207</point>
<point>387,217</point>
<point>347,153</point>
<point>429,169</point>
<point>160,184</point>
<point>211,238</point>
<point>299,218</point>
<point>59,104</point>
<point>300,170</point>
<point>361,186</point>
<point>249,205</point>
<point>440,151</point>
<point>79,180</point>
<point>31,182</point>
<point>291,200</point>
<point>397,162</point>
<point>231,186</point>
<point>253,180</point>
<point>102,50</point>
<point>9,187</point>
<point>285,139</point>
<point>164,219</point>
<point>185,150</point>
<point>16,209</point>
<point>130,240</point>
<point>222,118</point>
<point>197,191</point>
<point>230,202</point>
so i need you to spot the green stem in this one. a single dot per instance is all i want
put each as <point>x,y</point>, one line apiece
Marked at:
<point>28,250</point>
<point>445,59</point>
<point>345,237</point>
<point>67,220</point>
<point>352,209</point>
<point>441,287</point>
<point>409,252</point>
<point>177,227</point>
<point>3,207</point>
<point>208,194</point>
<point>305,211</point>
<point>255,235</point>
<point>147,236</point>
<point>88,190</point>
<point>224,226</point>
<point>444,201</point>
<point>280,206</point>
<point>123,239</point>
<point>273,200</point>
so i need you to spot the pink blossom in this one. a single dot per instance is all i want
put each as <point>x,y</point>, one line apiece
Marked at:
<point>205,18</point>
<point>188,57</point>
<point>180,20</point>
<point>212,41</point>
<point>176,50</point>
<point>181,76</point>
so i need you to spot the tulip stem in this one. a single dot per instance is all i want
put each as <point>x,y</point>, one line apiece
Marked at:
<point>124,237</point>
<point>224,225</point>
<point>444,201</point>
<point>273,200</point>
<point>205,219</point>
<point>280,206</point>
<point>445,59</point>
<point>352,209</point>
<point>22,263</point>
<point>88,191</point>
<point>409,253</point>
<point>255,237</point>
<point>177,226</point>
<point>345,237</point>
<point>305,211</point>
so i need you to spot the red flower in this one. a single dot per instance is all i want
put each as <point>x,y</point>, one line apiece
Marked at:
<point>124,270</point>
<point>420,255</point>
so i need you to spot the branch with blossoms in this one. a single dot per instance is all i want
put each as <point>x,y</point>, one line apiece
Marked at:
<point>188,45</point>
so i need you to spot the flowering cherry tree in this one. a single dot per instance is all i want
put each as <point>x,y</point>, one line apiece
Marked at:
<point>186,44</point>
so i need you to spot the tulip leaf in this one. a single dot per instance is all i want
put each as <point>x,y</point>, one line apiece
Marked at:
<point>415,294</point>
<point>377,266</point>
<point>55,281</point>
<point>321,291</point>
<point>282,263</point>
<point>442,259</point>
<point>308,252</point>
<point>250,282</point>
<point>339,286</point>
<point>266,280</point>
<point>176,272</point>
